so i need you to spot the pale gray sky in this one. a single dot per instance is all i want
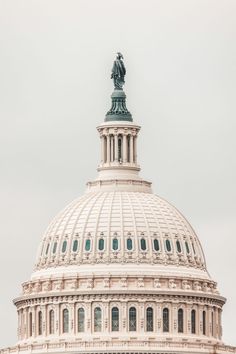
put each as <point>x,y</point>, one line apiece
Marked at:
<point>55,88</point>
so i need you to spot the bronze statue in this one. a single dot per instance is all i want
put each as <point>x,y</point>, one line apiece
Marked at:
<point>118,72</point>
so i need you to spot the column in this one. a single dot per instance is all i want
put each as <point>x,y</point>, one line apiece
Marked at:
<point>124,148</point>
<point>102,150</point>
<point>175,319</point>
<point>112,148</point>
<point>108,148</point>
<point>135,149</point>
<point>116,148</point>
<point>131,146</point>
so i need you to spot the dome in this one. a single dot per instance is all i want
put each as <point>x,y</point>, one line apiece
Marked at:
<point>120,227</point>
<point>119,270</point>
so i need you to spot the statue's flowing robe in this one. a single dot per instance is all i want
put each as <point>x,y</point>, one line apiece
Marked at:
<point>118,74</point>
<point>118,69</point>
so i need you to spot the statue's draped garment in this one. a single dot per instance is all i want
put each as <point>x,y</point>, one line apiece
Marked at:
<point>118,73</point>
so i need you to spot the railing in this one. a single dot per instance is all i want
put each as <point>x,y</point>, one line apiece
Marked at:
<point>124,346</point>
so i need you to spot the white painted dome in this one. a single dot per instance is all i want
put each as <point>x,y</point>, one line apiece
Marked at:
<point>120,227</point>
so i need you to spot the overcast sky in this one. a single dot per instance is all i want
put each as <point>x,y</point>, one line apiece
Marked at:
<point>55,63</point>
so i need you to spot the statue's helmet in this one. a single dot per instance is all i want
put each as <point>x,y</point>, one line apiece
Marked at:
<point>120,55</point>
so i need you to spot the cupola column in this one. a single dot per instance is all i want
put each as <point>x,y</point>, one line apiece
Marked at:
<point>108,148</point>
<point>124,148</point>
<point>116,148</point>
<point>131,154</point>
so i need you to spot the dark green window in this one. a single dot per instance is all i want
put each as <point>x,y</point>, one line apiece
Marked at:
<point>204,323</point>
<point>149,319</point>
<point>132,319</point>
<point>168,245</point>
<point>115,244</point>
<point>156,245</point>
<point>101,244</point>
<point>194,251</point>
<point>129,244</point>
<point>64,245</point>
<point>143,244</point>
<point>178,246</point>
<point>75,245</point>
<point>87,245</point>
<point>115,319</point>
<point>193,321</point>
<point>47,248</point>
<point>180,321</point>
<point>165,319</point>
<point>54,247</point>
<point>187,247</point>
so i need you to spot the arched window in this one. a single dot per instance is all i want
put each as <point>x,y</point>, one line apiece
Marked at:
<point>187,247</point>
<point>178,246</point>
<point>149,319</point>
<point>193,321</point>
<point>132,319</point>
<point>64,245</point>
<point>47,249</point>
<point>115,319</point>
<point>156,245</point>
<point>129,244</point>
<point>75,245</point>
<point>168,245</point>
<point>81,318</point>
<point>193,247</point>
<point>180,321</point>
<point>51,322</point>
<point>143,244</point>
<point>97,319</point>
<point>65,321</point>
<point>115,244</point>
<point>40,323</point>
<point>101,244</point>
<point>204,322</point>
<point>54,248</point>
<point>165,318</point>
<point>30,324</point>
<point>87,245</point>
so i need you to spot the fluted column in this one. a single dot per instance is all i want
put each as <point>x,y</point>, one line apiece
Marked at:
<point>108,148</point>
<point>116,148</point>
<point>131,146</point>
<point>135,149</point>
<point>102,150</point>
<point>112,148</point>
<point>124,148</point>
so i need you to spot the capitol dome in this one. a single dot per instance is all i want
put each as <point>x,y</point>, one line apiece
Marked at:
<point>119,270</point>
<point>129,228</point>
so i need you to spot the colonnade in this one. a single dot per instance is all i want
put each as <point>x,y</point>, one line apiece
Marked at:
<point>119,149</point>
<point>36,320</point>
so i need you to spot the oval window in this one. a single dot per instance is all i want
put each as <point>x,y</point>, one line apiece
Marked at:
<point>115,244</point>
<point>101,244</point>
<point>54,247</point>
<point>168,245</point>
<point>75,245</point>
<point>64,245</point>
<point>87,245</point>
<point>178,246</point>
<point>156,245</point>
<point>129,244</point>
<point>143,244</point>
<point>187,247</point>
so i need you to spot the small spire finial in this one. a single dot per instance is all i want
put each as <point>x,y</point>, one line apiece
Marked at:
<point>118,72</point>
